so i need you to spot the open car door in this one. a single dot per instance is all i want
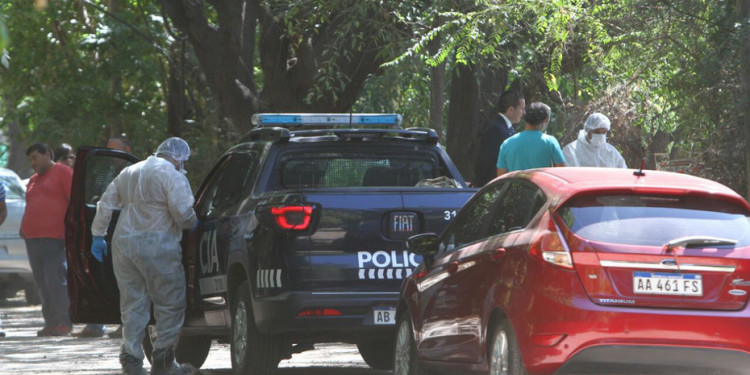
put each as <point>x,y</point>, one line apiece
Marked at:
<point>92,286</point>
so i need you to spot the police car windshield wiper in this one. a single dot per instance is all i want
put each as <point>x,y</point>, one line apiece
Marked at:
<point>698,242</point>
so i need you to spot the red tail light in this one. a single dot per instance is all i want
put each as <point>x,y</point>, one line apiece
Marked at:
<point>319,312</point>
<point>292,217</point>
<point>549,244</point>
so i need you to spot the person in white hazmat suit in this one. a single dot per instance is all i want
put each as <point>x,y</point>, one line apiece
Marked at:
<point>156,204</point>
<point>591,148</point>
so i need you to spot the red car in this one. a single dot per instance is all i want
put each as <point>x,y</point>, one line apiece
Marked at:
<point>583,270</point>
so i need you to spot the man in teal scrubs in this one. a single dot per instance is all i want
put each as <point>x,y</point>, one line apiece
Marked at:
<point>531,148</point>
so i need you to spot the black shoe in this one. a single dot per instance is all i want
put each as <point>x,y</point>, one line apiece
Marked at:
<point>131,365</point>
<point>116,334</point>
<point>86,332</point>
<point>163,363</point>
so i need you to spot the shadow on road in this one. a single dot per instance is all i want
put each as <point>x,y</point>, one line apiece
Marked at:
<point>309,371</point>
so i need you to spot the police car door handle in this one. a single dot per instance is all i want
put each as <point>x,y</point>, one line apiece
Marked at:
<point>498,253</point>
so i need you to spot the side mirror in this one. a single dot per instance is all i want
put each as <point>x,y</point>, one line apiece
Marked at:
<point>425,244</point>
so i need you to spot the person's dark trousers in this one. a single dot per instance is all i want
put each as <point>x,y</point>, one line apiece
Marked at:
<point>50,266</point>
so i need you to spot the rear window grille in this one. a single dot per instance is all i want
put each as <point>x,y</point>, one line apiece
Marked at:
<point>354,172</point>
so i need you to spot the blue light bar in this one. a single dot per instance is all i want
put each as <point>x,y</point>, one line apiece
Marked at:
<point>326,119</point>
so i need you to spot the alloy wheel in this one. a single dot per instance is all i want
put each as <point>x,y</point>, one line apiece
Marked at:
<point>499,356</point>
<point>239,336</point>
<point>403,349</point>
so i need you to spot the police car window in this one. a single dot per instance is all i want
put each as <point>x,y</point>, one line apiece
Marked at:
<point>100,171</point>
<point>340,170</point>
<point>231,183</point>
<point>471,224</point>
<point>517,206</point>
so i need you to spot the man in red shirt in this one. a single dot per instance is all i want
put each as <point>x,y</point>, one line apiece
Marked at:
<point>43,229</point>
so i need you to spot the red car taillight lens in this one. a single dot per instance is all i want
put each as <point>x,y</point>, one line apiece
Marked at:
<point>549,244</point>
<point>292,217</point>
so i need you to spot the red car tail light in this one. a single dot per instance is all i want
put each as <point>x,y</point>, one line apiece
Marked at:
<point>319,312</point>
<point>292,217</point>
<point>549,244</point>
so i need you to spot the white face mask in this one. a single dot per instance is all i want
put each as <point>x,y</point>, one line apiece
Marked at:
<point>181,168</point>
<point>597,140</point>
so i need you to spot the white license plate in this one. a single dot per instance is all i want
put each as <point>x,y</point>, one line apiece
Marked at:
<point>384,315</point>
<point>674,284</point>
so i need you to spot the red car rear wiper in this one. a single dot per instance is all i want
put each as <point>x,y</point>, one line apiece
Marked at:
<point>697,242</point>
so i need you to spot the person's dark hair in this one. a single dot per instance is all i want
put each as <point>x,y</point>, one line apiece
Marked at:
<point>62,152</point>
<point>41,148</point>
<point>536,113</point>
<point>509,99</point>
<point>122,138</point>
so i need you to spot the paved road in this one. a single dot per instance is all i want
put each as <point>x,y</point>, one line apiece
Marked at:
<point>22,353</point>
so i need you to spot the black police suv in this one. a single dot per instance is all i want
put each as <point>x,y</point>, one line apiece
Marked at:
<point>301,238</point>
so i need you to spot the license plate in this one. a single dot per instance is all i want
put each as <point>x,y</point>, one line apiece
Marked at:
<point>384,315</point>
<point>674,284</point>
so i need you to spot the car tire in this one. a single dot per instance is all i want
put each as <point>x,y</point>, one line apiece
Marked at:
<point>252,352</point>
<point>504,356</point>
<point>405,360</point>
<point>378,354</point>
<point>32,294</point>
<point>190,349</point>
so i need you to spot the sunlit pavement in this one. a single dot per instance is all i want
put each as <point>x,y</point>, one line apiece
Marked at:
<point>22,352</point>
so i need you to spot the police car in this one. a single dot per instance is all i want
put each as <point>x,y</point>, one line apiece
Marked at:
<point>301,238</point>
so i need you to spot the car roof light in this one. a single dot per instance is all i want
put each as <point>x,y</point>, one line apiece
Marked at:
<point>327,119</point>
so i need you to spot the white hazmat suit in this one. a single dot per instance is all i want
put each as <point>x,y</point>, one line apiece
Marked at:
<point>156,204</point>
<point>596,152</point>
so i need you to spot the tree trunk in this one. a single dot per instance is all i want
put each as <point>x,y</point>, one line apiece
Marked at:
<point>463,119</point>
<point>17,160</point>
<point>225,53</point>
<point>176,101</point>
<point>116,124</point>
<point>437,90</point>
<point>743,15</point>
<point>290,71</point>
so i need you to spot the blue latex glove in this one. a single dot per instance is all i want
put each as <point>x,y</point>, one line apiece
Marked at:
<point>99,248</point>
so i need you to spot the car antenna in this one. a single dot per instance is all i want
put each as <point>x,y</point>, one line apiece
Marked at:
<point>639,173</point>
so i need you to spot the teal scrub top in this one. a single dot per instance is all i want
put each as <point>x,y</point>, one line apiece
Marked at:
<point>529,149</point>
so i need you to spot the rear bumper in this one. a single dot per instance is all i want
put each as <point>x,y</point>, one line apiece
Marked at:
<point>13,257</point>
<point>15,271</point>
<point>279,314</point>
<point>636,340</point>
<point>617,359</point>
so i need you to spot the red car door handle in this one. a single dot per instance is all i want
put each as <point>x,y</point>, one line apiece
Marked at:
<point>452,267</point>
<point>498,253</point>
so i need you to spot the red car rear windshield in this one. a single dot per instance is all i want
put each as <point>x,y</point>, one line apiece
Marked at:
<point>650,220</point>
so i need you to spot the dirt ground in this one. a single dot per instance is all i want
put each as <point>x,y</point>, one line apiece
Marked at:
<point>23,353</point>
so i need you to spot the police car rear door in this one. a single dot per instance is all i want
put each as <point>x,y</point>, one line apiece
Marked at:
<point>92,285</point>
<point>224,217</point>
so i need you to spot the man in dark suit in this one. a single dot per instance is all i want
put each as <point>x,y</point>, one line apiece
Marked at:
<point>512,107</point>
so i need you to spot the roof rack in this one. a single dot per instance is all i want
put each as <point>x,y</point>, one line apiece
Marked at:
<point>293,120</point>
<point>274,134</point>
<point>422,134</point>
